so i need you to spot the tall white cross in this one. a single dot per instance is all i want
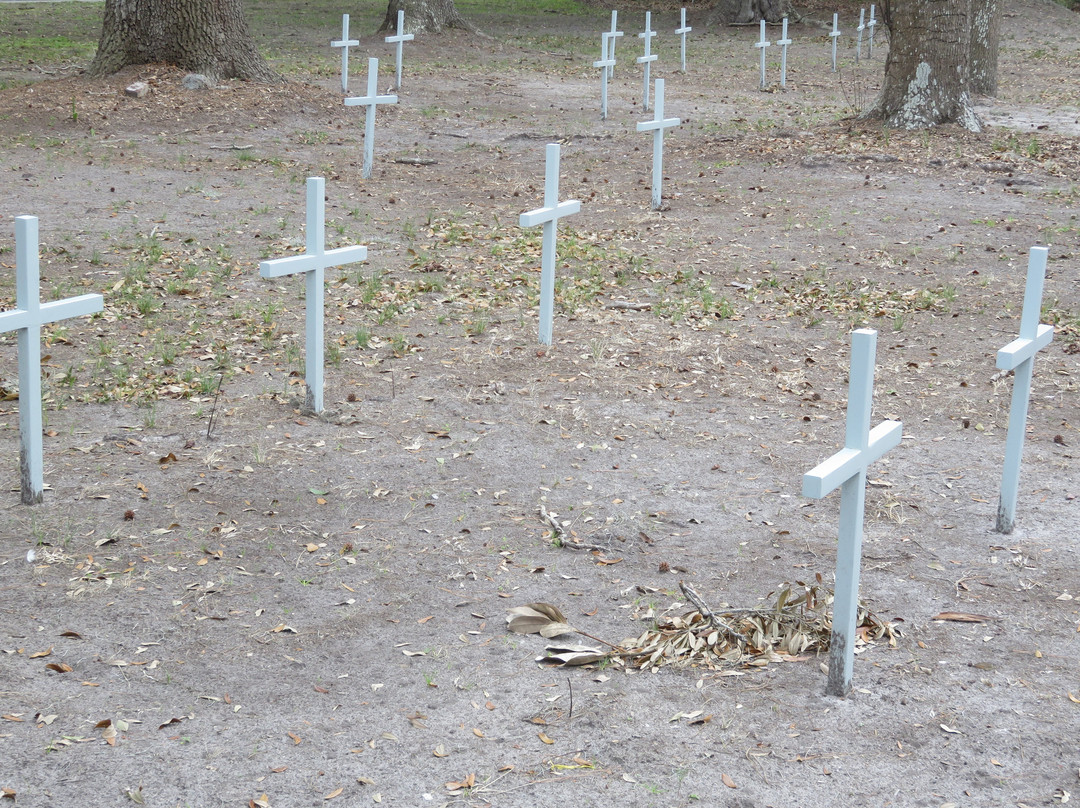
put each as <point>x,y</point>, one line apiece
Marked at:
<point>847,469</point>
<point>834,34</point>
<point>344,43</point>
<point>371,100</point>
<point>783,42</point>
<point>549,216</point>
<point>761,45</point>
<point>605,63</point>
<point>29,315</point>
<point>657,126</point>
<point>649,56</point>
<point>1019,356</point>
<point>870,40</point>
<point>612,36</point>
<point>860,29</point>
<point>400,39</point>
<point>682,31</point>
<point>313,264</point>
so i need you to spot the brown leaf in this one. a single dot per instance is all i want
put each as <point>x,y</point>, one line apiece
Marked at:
<point>294,736</point>
<point>728,781</point>
<point>440,751</point>
<point>423,620</point>
<point>72,634</point>
<point>12,717</point>
<point>40,654</point>
<point>963,617</point>
<point>543,736</point>
<point>478,733</point>
<point>335,793</point>
<point>59,667</point>
<point>7,793</point>
<point>319,689</point>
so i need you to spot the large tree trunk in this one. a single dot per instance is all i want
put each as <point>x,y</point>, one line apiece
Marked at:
<point>748,12</point>
<point>985,34</point>
<point>424,16</point>
<point>202,36</point>
<point>926,72</point>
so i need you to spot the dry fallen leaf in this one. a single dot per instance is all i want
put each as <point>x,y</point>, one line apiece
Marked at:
<point>260,802</point>
<point>543,736</point>
<point>294,736</point>
<point>40,654</point>
<point>440,751</point>
<point>1073,698</point>
<point>478,733</point>
<point>59,667</point>
<point>335,793</point>
<point>728,781</point>
<point>962,617</point>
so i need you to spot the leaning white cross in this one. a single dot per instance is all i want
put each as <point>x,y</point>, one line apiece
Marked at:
<point>834,34</point>
<point>860,29</point>
<point>682,31</point>
<point>613,34</point>
<point>783,42</point>
<point>29,315</point>
<point>847,469</point>
<point>1019,356</point>
<point>371,100</point>
<point>657,126</point>
<point>870,39</point>
<point>605,63</point>
<point>344,43</point>
<point>400,39</point>
<point>313,264</point>
<point>549,216</point>
<point>648,58</point>
<point>761,45</point>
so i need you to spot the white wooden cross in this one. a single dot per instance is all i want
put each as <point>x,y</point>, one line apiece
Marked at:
<point>682,31</point>
<point>761,45</point>
<point>649,56</point>
<point>605,63</point>
<point>834,34</point>
<point>1019,356</point>
<point>657,126</point>
<point>783,42</point>
<point>400,39</point>
<point>29,315</point>
<point>870,40</point>
<point>344,43</point>
<point>549,216</point>
<point>847,469</point>
<point>313,264</point>
<point>860,29</point>
<point>612,36</point>
<point>371,100</point>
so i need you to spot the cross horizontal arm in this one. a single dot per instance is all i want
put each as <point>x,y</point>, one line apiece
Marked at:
<point>297,264</point>
<point>369,100</point>
<point>531,218</point>
<point>50,312</point>
<point>647,126</point>
<point>830,474</point>
<point>1021,349</point>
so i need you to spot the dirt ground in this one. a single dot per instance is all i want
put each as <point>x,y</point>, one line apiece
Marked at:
<point>275,608</point>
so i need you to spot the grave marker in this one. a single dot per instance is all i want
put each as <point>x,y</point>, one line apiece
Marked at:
<point>613,34</point>
<point>344,43</point>
<point>371,100</point>
<point>761,45</point>
<point>682,31</point>
<point>847,469</point>
<point>648,58</point>
<point>657,126</point>
<point>400,39</point>
<point>834,34</point>
<point>549,216</point>
<point>860,29</point>
<point>783,42</point>
<point>605,63</point>
<point>313,264</point>
<point>28,316</point>
<point>870,38</point>
<point>1019,356</point>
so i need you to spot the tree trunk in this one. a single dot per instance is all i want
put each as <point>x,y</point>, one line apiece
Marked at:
<point>424,16</point>
<point>926,72</point>
<point>985,34</point>
<point>202,36</point>
<point>748,12</point>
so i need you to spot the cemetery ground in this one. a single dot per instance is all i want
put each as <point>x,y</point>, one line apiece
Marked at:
<point>236,602</point>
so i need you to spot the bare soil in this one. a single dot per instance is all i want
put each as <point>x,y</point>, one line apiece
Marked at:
<point>285,609</point>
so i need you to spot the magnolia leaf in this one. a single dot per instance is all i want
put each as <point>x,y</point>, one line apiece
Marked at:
<point>572,655</point>
<point>556,629</point>
<point>537,618</point>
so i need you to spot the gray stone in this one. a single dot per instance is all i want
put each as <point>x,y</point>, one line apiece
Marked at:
<point>197,81</point>
<point>137,90</point>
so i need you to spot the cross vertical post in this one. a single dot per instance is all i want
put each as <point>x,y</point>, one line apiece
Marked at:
<point>613,34</point>
<point>682,31</point>
<point>344,43</point>
<point>605,63</point>
<point>870,39</point>
<point>400,39</point>
<point>648,58</point>
<point>549,216</point>
<point>783,42</point>
<point>847,469</point>
<point>28,316</point>
<point>860,29</point>
<point>1019,356</point>
<point>371,100</point>
<point>313,265</point>
<point>657,126</point>
<point>761,45</point>
<point>834,34</point>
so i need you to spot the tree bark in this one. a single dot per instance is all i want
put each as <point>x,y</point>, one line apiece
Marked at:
<point>927,70</point>
<point>202,36</point>
<point>748,12</point>
<point>424,16</point>
<point>985,35</point>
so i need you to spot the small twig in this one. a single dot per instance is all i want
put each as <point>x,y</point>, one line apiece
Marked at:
<point>416,161</point>
<point>570,715</point>
<point>706,612</point>
<point>213,409</point>
<point>556,528</point>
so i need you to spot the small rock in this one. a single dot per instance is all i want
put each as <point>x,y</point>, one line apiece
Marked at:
<point>137,90</point>
<point>197,81</point>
